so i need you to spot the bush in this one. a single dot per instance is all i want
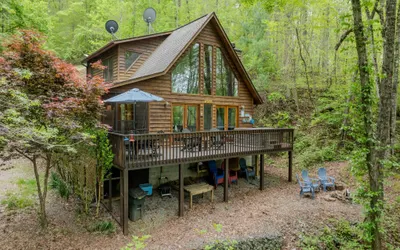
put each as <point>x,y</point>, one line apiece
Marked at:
<point>60,185</point>
<point>106,227</point>
<point>338,235</point>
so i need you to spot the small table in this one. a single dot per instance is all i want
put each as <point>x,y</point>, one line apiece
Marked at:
<point>198,189</point>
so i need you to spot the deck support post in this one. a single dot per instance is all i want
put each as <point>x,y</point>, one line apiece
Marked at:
<point>226,179</point>
<point>110,192</point>
<point>290,154</point>
<point>125,197</point>
<point>257,168</point>
<point>262,172</point>
<point>181,194</point>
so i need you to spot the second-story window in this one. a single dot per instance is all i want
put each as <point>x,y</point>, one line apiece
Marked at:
<point>130,58</point>
<point>185,76</point>
<point>208,65</point>
<point>108,71</point>
<point>226,82</point>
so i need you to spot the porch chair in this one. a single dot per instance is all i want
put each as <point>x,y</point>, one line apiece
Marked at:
<point>216,140</point>
<point>190,143</point>
<point>233,176</point>
<point>326,181</point>
<point>305,188</point>
<point>314,183</point>
<point>249,171</point>
<point>217,175</point>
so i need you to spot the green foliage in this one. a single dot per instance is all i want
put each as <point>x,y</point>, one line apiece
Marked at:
<point>60,185</point>
<point>25,197</point>
<point>337,235</point>
<point>105,227</point>
<point>221,245</point>
<point>137,243</point>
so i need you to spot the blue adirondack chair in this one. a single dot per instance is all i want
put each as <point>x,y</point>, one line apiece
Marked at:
<point>311,181</point>
<point>326,181</point>
<point>247,170</point>
<point>216,174</point>
<point>305,188</point>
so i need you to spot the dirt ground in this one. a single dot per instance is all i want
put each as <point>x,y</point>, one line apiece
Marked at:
<point>249,213</point>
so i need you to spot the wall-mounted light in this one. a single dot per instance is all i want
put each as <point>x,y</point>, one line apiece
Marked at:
<point>166,104</point>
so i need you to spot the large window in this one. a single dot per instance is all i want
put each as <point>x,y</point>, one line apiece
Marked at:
<point>108,71</point>
<point>130,58</point>
<point>207,116</point>
<point>208,51</point>
<point>226,82</point>
<point>185,116</point>
<point>185,76</point>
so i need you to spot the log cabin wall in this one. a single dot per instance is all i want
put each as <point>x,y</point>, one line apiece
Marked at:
<point>160,114</point>
<point>113,54</point>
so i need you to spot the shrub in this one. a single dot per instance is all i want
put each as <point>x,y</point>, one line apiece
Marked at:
<point>60,185</point>
<point>339,235</point>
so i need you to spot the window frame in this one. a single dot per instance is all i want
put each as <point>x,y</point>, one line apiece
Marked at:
<point>109,59</point>
<point>185,115</point>
<point>228,66</point>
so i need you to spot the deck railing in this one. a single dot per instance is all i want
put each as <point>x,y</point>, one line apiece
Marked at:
<point>161,149</point>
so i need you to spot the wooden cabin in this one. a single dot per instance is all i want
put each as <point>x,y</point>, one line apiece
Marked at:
<point>207,94</point>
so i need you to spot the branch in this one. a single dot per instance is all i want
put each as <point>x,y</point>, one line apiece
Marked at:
<point>22,153</point>
<point>342,38</point>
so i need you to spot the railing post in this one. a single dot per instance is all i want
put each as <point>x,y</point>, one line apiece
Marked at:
<point>181,194</point>
<point>290,154</point>
<point>226,179</point>
<point>262,172</point>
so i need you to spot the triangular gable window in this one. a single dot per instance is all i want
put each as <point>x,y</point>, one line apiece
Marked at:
<point>185,76</point>
<point>130,58</point>
<point>226,82</point>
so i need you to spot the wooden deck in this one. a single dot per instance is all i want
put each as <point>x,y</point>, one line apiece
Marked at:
<point>153,150</point>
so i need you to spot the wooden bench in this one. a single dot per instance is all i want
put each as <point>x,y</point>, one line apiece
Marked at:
<point>200,188</point>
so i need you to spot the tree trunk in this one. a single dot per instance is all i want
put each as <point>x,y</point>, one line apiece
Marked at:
<point>393,115</point>
<point>366,97</point>
<point>42,193</point>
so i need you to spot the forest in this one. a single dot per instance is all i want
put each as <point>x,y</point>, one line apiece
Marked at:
<point>327,68</point>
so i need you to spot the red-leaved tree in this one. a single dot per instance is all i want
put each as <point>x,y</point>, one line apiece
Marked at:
<point>45,106</point>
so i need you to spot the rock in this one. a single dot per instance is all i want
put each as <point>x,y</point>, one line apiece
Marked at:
<point>340,186</point>
<point>327,198</point>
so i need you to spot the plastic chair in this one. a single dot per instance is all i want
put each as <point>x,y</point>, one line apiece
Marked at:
<point>249,171</point>
<point>305,187</point>
<point>326,181</point>
<point>216,174</point>
<point>233,176</point>
<point>311,181</point>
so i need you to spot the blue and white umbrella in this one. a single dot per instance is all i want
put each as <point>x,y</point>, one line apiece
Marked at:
<point>133,96</point>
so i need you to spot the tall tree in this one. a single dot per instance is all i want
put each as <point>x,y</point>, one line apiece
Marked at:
<point>376,143</point>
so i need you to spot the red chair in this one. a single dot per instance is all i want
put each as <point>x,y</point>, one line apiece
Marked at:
<point>233,176</point>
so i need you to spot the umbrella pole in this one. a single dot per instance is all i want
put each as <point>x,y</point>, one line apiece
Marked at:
<point>134,117</point>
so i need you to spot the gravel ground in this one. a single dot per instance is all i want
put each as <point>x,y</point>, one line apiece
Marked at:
<point>249,213</point>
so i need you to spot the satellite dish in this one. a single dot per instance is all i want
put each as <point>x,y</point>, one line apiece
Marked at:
<point>149,15</point>
<point>112,27</point>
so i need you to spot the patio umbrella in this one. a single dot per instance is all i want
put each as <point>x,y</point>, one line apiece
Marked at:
<point>133,96</point>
